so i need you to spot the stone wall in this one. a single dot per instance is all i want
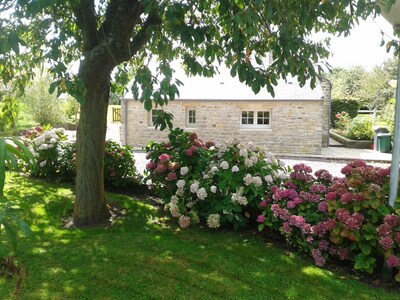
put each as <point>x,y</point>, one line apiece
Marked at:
<point>296,127</point>
<point>326,87</point>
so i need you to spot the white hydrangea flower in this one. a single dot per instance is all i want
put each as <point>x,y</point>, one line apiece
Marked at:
<point>252,146</point>
<point>181,184</point>
<point>184,171</point>
<point>43,163</point>
<point>213,221</point>
<point>268,179</point>
<point>49,146</point>
<point>224,165</point>
<point>43,147</point>
<point>206,176</point>
<point>222,147</point>
<point>60,130</point>
<point>53,141</point>
<point>174,210</point>
<point>201,193</point>
<point>213,189</point>
<point>282,163</point>
<point>243,153</point>
<point>283,176</point>
<point>257,181</point>
<point>189,204</point>
<point>174,200</point>
<point>248,162</point>
<point>149,182</point>
<point>254,159</point>
<point>194,187</point>
<point>214,169</point>
<point>179,192</point>
<point>235,169</point>
<point>248,179</point>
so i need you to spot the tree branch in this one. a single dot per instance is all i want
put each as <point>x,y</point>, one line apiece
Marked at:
<point>86,20</point>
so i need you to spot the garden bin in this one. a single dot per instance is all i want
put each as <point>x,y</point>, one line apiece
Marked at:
<point>378,130</point>
<point>384,140</point>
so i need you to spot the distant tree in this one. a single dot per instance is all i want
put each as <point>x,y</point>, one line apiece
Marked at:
<point>370,88</point>
<point>43,107</point>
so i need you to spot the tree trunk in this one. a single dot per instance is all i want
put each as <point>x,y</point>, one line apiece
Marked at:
<point>90,204</point>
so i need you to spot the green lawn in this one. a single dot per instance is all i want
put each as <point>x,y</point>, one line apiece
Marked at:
<point>144,256</point>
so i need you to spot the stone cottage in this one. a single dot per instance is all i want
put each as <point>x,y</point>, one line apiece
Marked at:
<point>295,121</point>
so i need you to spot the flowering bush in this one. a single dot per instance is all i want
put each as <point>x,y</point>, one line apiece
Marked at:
<point>348,218</point>
<point>219,184</point>
<point>43,145</point>
<point>57,158</point>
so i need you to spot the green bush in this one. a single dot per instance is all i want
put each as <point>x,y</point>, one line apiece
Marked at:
<point>56,159</point>
<point>360,128</point>
<point>338,106</point>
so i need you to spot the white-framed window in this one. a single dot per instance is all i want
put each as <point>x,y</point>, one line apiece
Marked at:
<point>153,116</point>
<point>191,117</point>
<point>255,119</point>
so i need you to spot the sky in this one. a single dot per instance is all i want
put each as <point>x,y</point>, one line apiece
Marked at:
<point>362,47</point>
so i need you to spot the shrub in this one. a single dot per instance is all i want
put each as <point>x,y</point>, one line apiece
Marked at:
<point>119,165</point>
<point>338,106</point>
<point>57,158</point>
<point>218,184</point>
<point>360,128</point>
<point>348,218</point>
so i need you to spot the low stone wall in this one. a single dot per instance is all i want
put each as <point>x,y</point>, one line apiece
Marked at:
<point>296,126</point>
<point>350,143</point>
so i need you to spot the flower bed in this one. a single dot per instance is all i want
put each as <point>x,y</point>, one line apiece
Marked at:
<point>342,218</point>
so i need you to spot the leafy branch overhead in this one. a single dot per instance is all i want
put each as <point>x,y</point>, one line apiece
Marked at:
<point>199,33</point>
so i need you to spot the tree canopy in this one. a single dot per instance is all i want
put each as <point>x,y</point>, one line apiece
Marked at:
<point>370,88</point>
<point>111,37</point>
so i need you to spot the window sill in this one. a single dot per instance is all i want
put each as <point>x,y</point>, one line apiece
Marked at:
<point>255,129</point>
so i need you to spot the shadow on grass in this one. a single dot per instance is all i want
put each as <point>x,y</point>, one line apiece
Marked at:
<point>144,256</point>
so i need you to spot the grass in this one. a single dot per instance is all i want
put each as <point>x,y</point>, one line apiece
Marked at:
<point>144,256</point>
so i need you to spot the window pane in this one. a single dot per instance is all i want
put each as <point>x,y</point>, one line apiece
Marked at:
<point>247,117</point>
<point>263,118</point>
<point>192,116</point>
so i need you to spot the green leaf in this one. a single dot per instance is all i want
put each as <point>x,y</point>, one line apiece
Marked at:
<point>365,247</point>
<point>261,227</point>
<point>148,105</point>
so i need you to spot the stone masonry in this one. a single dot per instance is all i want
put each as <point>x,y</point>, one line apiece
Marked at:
<point>296,126</point>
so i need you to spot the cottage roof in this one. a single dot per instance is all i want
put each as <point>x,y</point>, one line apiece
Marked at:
<point>224,87</point>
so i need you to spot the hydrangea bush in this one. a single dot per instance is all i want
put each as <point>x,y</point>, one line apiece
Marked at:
<point>219,184</point>
<point>56,158</point>
<point>348,218</point>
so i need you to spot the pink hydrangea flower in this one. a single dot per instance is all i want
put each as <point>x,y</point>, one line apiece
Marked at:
<point>322,206</point>
<point>151,165</point>
<point>386,242</point>
<point>263,203</point>
<point>261,219</point>
<point>189,152</point>
<point>164,157</point>
<point>318,258</point>
<point>291,204</point>
<point>171,176</point>
<point>391,220</point>
<point>184,221</point>
<point>393,261</point>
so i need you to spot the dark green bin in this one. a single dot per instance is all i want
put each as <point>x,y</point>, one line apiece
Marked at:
<point>384,142</point>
